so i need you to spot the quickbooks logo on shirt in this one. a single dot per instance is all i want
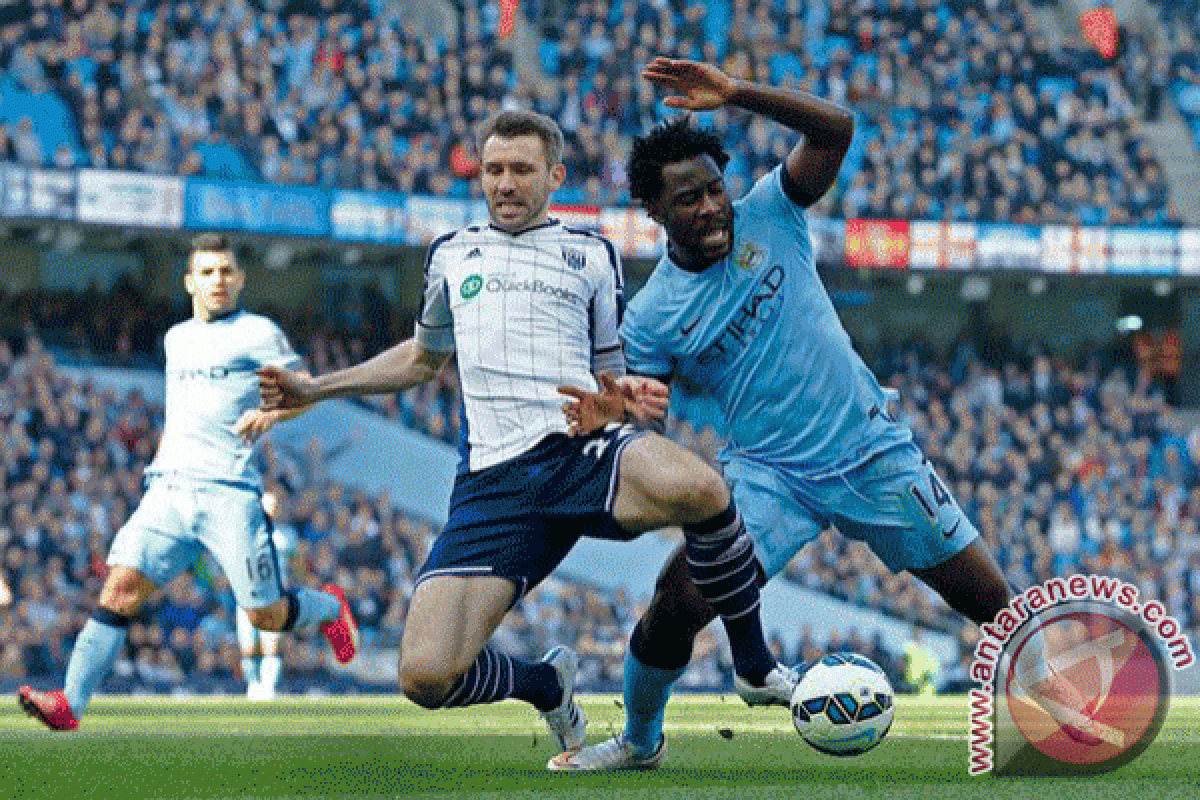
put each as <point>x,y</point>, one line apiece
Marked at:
<point>471,286</point>
<point>536,286</point>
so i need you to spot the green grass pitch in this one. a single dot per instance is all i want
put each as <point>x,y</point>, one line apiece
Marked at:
<point>374,748</point>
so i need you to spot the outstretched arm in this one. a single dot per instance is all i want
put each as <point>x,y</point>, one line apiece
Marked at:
<point>827,127</point>
<point>395,369</point>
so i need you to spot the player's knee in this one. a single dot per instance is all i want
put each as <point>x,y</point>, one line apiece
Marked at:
<point>263,618</point>
<point>698,495</point>
<point>122,597</point>
<point>122,605</point>
<point>425,682</point>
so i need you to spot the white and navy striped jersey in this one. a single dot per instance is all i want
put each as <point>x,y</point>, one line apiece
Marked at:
<point>525,313</point>
<point>210,382</point>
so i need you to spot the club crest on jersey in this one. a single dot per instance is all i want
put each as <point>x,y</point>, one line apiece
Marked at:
<point>471,286</point>
<point>575,258</point>
<point>749,256</point>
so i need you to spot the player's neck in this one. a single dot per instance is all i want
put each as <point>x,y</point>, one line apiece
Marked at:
<point>541,223</point>
<point>686,262</point>
<point>213,316</point>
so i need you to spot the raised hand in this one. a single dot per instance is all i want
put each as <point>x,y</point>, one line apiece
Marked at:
<point>284,389</point>
<point>697,86</point>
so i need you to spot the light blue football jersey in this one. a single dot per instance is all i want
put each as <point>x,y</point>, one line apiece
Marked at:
<point>210,382</point>
<point>758,332</point>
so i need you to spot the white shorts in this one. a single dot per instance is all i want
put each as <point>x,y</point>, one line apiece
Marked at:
<point>179,518</point>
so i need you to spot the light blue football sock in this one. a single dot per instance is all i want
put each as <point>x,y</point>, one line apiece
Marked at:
<point>270,671</point>
<point>312,608</point>
<point>647,690</point>
<point>96,650</point>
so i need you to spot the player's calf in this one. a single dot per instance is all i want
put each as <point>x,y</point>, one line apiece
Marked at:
<point>723,566</point>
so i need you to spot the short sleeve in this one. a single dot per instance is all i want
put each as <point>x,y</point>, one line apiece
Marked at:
<point>435,324</point>
<point>608,308</point>
<point>277,351</point>
<point>769,197</point>
<point>643,356</point>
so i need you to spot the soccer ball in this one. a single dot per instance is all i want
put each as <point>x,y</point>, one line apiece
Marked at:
<point>843,705</point>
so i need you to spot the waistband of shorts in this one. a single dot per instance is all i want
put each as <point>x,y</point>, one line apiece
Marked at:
<point>183,480</point>
<point>808,472</point>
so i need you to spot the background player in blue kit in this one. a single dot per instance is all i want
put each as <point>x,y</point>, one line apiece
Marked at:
<point>736,307</point>
<point>202,490</point>
<point>527,305</point>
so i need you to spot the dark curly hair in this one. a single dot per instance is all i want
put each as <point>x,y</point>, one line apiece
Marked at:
<point>668,143</point>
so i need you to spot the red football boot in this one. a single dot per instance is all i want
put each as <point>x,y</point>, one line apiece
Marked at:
<point>341,633</point>
<point>50,708</point>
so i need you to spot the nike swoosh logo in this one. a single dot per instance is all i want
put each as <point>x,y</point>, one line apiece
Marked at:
<point>950,533</point>
<point>686,329</point>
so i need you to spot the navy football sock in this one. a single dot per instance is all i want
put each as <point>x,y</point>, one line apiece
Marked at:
<point>724,568</point>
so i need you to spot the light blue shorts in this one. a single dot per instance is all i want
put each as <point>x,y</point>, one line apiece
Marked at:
<point>178,519</point>
<point>894,502</point>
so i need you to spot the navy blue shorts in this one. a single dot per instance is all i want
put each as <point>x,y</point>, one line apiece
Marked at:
<point>519,519</point>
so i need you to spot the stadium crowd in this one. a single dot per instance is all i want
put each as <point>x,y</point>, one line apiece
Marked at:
<point>967,114</point>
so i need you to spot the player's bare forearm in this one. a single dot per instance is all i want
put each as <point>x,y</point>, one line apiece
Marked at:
<point>825,125</point>
<point>828,129</point>
<point>697,86</point>
<point>398,368</point>
<point>395,369</point>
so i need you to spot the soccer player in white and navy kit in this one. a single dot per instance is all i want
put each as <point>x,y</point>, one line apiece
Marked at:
<point>203,491</point>
<point>529,306</point>
<point>737,308</point>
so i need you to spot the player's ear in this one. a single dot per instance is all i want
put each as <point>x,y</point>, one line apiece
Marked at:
<point>558,176</point>
<point>189,282</point>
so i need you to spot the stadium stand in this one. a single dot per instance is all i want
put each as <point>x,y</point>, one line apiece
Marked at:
<point>964,115</point>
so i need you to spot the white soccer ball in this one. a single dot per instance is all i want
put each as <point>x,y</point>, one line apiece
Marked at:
<point>843,705</point>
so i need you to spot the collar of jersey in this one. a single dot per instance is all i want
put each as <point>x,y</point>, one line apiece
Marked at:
<point>219,317</point>
<point>548,223</point>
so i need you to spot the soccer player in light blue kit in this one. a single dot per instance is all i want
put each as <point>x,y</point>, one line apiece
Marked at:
<point>203,490</point>
<point>737,308</point>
